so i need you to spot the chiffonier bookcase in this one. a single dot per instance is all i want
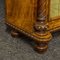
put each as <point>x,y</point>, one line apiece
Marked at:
<point>36,19</point>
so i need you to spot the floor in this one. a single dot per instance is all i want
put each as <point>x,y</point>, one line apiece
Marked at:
<point>21,48</point>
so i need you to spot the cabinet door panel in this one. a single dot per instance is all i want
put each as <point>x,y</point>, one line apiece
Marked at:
<point>54,8</point>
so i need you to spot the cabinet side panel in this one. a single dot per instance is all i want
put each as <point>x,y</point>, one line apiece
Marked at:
<point>8,7</point>
<point>21,13</point>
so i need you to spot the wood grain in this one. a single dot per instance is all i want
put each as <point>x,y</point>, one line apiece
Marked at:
<point>23,14</point>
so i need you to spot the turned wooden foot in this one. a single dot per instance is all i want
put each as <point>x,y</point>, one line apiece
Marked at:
<point>41,44</point>
<point>41,48</point>
<point>14,33</point>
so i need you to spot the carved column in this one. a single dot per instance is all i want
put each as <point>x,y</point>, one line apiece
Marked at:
<point>41,25</point>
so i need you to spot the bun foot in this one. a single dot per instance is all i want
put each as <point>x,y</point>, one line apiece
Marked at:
<point>42,43</point>
<point>41,48</point>
<point>14,33</point>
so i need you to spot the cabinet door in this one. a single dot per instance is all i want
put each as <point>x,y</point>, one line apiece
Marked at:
<point>54,9</point>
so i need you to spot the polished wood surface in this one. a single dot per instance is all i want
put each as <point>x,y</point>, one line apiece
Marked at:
<point>31,17</point>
